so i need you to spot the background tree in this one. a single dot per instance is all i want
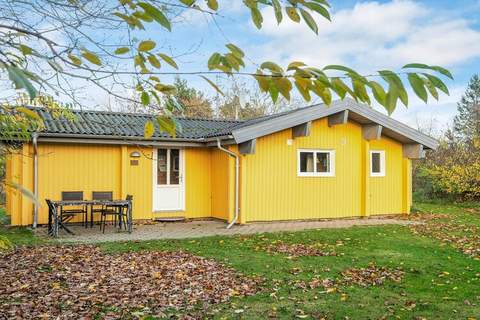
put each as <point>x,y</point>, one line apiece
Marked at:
<point>467,121</point>
<point>242,101</point>
<point>193,103</point>
<point>453,170</point>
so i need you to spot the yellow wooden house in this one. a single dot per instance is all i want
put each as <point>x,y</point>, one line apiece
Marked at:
<point>344,160</point>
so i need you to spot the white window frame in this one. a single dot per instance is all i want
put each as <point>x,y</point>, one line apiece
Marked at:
<point>382,163</point>
<point>331,173</point>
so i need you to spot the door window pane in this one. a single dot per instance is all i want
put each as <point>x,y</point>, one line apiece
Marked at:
<point>306,161</point>
<point>162,166</point>
<point>174,166</point>
<point>376,166</point>
<point>323,161</point>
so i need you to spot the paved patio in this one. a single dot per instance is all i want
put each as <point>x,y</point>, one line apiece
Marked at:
<point>198,229</point>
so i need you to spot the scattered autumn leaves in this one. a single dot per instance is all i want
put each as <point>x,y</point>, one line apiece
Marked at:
<point>464,237</point>
<point>84,282</point>
<point>300,249</point>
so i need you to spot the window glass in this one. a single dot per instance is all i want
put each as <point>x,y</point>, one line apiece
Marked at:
<point>323,161</point>
<point>376,162</point>
<point>174,166</point>
<point>306,161</point>
<point>162,166</point>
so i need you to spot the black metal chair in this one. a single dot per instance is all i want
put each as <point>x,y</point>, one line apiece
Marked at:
<point>106,210</point>
<point>99,195</point>
<point>66,215</point>
<point>123,212</point>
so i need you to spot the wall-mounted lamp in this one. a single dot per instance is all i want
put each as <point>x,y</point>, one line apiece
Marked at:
<point>135,154</point>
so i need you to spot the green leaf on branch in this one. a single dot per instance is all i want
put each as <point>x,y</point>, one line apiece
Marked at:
<point>256,17</point>
<point>168,60</point>
<point>167,124</point>
<point>26,50</point>
<point>21,81</point>
<point>439,69</point>
<point>122,50</point>
<point>272,66</point>
<point>437,83</point>
<point>214,86</point>
<point>319,9</point>
<point>394,81</point>
<point>309,20</point>
<point>431,88</point>
<point>156,14</point>
<point>91,57</point>
<point>146,45</point>
<point>214,60</point>
<point>235,50</point>
<point>360,91</point>
<point>145,98</point>
<point>188,2</point>
<point>212,4</point>
<point>418,86</point>
<point>75,60</point>
<point>278,10</point>
<point>292,14</point>
<point>154,61</point>
<point>378,92</point>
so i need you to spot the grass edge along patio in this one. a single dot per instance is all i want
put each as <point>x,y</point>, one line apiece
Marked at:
<point>317,162</point>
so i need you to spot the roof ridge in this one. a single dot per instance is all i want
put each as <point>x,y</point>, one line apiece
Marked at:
<point>138,114</point>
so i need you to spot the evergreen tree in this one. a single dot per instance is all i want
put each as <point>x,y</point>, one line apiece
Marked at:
<point>467,121</point>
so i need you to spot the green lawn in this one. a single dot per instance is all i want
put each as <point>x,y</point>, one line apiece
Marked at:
<point>440,281</point>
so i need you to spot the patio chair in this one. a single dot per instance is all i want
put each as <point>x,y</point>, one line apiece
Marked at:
<point>99,195</point>
<point>106,211</point>
<point>122,212</point>
<point>66,215</point>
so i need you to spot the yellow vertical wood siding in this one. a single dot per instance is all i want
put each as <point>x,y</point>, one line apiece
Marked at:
<point>76,168</point>
<point>220,184</point>
<point>386,193</point>
<point>274,191</point>
<point>270,188</point>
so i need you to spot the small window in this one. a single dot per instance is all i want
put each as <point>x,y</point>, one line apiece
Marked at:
<point>316,163</point>
<point>377,163</point>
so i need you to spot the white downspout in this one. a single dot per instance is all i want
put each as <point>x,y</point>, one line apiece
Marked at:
<point>237,169</point>
<point>35,178</point>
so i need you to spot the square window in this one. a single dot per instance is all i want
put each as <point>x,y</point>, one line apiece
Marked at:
<point>377,163</point>
<point>316,163</point>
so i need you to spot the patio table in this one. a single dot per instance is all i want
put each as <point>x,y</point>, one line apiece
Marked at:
<point>54,218</point>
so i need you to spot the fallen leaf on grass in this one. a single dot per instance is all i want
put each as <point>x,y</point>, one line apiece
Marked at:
<point>82,281</point>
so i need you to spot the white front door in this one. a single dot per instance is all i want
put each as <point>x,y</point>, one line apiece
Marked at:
<point>168,180</point>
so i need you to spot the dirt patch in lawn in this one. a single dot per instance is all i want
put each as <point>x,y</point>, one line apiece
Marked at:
<point>300,249</point>
<point>82,281</point>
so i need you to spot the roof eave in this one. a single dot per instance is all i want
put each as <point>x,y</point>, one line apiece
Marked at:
<point>309,114</point>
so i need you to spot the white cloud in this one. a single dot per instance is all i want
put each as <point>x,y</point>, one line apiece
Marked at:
<point>375,35</point>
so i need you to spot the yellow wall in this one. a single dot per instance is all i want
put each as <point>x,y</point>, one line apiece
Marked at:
<point>220,175</point>
<point>275,192</point>
<point>270,188</point>
<point>386,193</point>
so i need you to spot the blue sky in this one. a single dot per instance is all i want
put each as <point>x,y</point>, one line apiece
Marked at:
<point>365,35</point>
